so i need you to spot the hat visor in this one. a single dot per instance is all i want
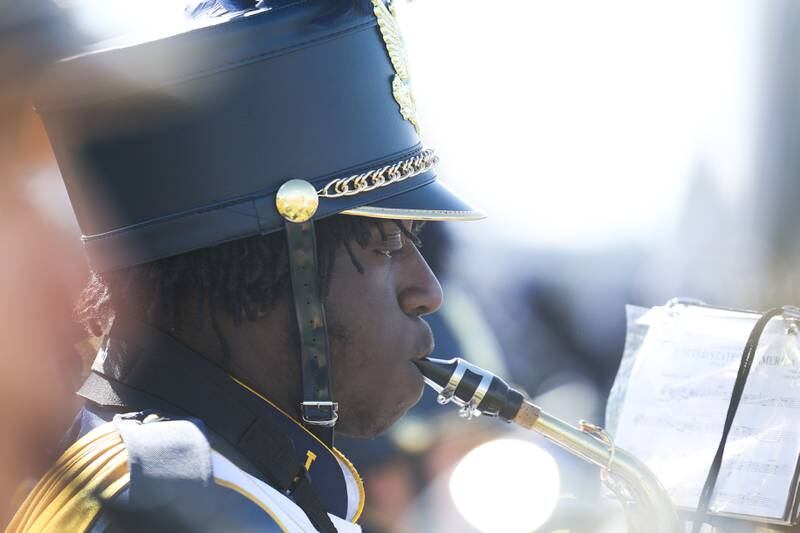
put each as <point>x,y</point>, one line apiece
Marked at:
<point>432,201</point>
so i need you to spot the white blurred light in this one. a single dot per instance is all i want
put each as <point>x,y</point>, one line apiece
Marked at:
<point>506,485</point>
<point>134,19</point>
<point>570,396</point>
<point>412,434</point>
<point>582,124</point>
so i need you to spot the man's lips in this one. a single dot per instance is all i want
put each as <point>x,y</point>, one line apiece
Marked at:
<point>426,348</point>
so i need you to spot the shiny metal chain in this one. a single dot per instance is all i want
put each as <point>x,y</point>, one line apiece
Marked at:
<point>381,177</point>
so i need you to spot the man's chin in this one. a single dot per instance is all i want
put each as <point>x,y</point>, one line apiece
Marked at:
<point>380,424</point>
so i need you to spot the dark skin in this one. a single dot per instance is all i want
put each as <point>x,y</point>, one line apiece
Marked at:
<point>375,327</point>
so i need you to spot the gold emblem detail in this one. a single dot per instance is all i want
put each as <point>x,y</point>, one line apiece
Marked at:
<point>310,458</point>
<point>395,46</point>
<point>297,201</point>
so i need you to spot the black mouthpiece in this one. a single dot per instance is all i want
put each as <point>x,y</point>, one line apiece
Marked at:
<point>437,370</point>
<point>476,390</point>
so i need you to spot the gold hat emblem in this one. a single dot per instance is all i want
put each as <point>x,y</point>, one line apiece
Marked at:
<point>395,46</point>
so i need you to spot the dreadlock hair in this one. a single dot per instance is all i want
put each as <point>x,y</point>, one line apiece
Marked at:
<point>243,278</point>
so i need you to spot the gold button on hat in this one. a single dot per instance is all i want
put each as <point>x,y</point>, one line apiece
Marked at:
<point>297,201</point>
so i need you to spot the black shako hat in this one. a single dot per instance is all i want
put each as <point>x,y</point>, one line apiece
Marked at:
<point>182,142</point>
<point>262,120</point>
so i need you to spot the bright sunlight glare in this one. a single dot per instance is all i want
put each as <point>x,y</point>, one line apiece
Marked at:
<point>581,123</point>
<point>506,486</point>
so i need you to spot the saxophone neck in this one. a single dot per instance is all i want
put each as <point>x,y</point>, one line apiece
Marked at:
<point>478,391</point>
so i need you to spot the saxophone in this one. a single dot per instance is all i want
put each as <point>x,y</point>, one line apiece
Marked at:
<point>646,504</point>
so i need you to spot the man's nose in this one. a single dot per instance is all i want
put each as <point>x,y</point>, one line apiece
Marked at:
<point>421,293</point>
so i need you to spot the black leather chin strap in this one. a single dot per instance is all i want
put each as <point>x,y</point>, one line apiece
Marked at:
<point>318,411</point>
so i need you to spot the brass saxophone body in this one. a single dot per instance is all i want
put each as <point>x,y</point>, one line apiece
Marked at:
<point>646,503</point>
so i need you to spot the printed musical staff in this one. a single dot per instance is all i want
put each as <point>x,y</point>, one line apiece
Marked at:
<point>770,469</point>
<point>676,400</point>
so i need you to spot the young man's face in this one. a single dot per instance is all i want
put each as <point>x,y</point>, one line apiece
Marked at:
<point>376,330</point>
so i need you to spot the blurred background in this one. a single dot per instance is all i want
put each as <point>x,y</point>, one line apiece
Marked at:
<point>625,151</point>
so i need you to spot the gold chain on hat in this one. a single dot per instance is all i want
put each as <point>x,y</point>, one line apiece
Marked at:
<point>381,177</point>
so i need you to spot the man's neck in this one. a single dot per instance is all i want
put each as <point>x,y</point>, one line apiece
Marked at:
<point>256,353</point>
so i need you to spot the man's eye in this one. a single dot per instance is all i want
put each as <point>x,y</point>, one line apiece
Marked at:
<point>390,246</point>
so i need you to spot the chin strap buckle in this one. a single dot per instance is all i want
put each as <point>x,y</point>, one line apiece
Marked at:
<point>323,414</point>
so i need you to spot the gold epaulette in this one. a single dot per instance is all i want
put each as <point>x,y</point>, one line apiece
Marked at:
<point>69,495</point>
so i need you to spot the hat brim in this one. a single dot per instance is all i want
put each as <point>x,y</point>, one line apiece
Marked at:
<point>433,201</point>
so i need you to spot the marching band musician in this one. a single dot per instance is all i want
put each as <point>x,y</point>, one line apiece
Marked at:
<point>250,191</point>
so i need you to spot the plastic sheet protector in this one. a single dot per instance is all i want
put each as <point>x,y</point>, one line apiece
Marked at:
<point>671,396</point>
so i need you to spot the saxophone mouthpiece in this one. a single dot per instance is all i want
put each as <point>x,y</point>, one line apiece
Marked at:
<point>436,371</point>
<point>475,390</point>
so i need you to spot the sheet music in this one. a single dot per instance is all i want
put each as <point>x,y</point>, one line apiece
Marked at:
<point>633,342</point>
<point>677,398</point>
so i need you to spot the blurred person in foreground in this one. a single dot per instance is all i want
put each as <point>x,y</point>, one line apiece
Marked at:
<point>250,192</point>
<point>41,271</point>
